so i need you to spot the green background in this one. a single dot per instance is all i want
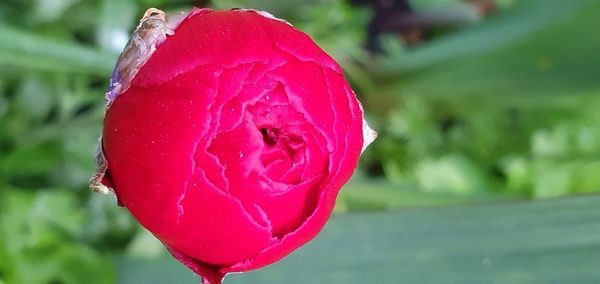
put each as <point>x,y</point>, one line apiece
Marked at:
<point>485,169</point>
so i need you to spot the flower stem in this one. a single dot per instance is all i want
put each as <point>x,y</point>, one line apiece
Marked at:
<point>216,278</point>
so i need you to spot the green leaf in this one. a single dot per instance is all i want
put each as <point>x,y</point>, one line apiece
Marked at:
<point>18,163</point>
<point>536,48</point>
<point>554,241</point>
<point>41,240</point>
<point>27,50</point>
<point>454,173</point>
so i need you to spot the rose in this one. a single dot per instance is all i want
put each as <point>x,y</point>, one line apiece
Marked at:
<point>233,140</point>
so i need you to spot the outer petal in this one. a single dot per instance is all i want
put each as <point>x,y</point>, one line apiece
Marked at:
<point>221,38</point>
<point>156,178</point>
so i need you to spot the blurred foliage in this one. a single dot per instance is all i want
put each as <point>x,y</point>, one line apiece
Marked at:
<point>501,106</point>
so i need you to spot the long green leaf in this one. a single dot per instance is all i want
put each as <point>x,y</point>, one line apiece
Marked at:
<point>554,241</point>
<point>538,47</point>
<point>523,20</point>
<point>23,49</point>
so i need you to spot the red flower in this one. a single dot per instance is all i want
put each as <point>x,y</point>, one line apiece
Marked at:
<point>233,140</point>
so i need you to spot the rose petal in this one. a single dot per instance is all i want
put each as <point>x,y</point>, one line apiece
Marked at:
<point>212,226</point>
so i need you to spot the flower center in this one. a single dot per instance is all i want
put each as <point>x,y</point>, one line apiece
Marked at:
<point>283,154</point>
<point>270,135</point>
